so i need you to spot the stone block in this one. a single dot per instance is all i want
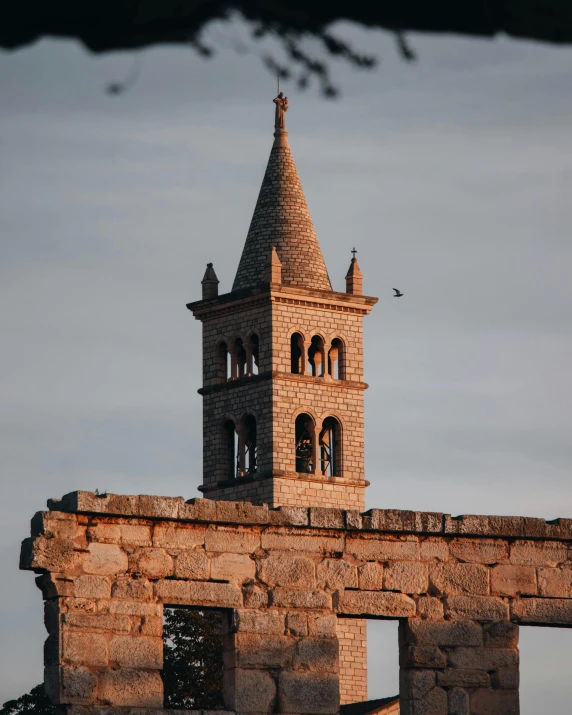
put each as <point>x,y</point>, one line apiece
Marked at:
<point>371,576</point>
<point>78,685</point>
<point>336,573</point>
<point>483,658</point>
<point>234,541</point>
<point>131,688</point>
<point>300,598</point>
<point>104,560</point>
<point>250,691</point>
<point>434,703</point>
<point>198,510</point>
<point>417,656</point>
<point>513,580</point>
<point>474,525</point>
<point>538,553</point>
<point>455,579</point>
<point>199,593</point>
<point>154,563</point>
<point>163,507</point>
<point>285,570</point>
<point>241,513</point>
<point>354,519</point>
<point>322,625</point>
<point>289,516</point>
<point>151,626</point>
<point>434,549</point>
<point>374,603</point>
<point>326,518</point>
<point>236,568</point>
<point>416,684</point>
<point>542,611</point>
<point>479,551</point>
<point>254,650</point>
<point>446,633</point>
<point>430,608</point>
<point>88,649</point>
<point>136,608</point>
<point>52,585</point>
<point>297,624</point>
<point>92,587</point>
<point>193,565</point>
<point>501,635</point>
<point>298,540</point>
<point>555,583</point>
<point>135,534</point>
<point>254,596</point>
<point>406,576</point>
<point>317,654</point>
<point>491,702</point>
<point>459,677</point>
<point>477,608</point>
<point>265,622</point>
<point>177,536</point>
<point>55,525</point>
<point>132,588</point>
<point>301,692</point>
<point>97,621</point>
<point>383,549</point>
<point>136,651</point>
<point>41,552</point>
<point>458,702</point>
<point>506,679</point>
<point>104,533</point>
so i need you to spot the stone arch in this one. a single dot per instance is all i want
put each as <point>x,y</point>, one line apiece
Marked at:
<point>317,355</point>
<point>305,445</point>
<point>330,447</point>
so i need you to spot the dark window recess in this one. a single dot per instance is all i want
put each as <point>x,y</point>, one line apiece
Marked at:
<point>193,658</point>
<point>304,444</point>
<point>250,445</point>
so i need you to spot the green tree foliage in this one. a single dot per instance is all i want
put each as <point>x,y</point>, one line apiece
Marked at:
<point>36,702</point>
<point>193,664</point>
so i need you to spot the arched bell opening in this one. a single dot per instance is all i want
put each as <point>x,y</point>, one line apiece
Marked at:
<point>330,448</point>
<point>305,444</point>
<point>316,357</point>
<point>336,360</point>
<point>297,357</point>
<point>238,359</point>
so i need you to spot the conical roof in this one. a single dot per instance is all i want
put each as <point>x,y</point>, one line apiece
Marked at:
<point>281,219</point>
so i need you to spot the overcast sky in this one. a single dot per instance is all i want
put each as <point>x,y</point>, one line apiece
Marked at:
<point>451,176</point>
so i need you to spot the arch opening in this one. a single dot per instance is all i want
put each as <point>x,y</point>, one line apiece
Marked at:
<point>304,429</point>
<point>336,360</point>
<point>330,447</point>
<point>316,357</point>
<point>297,354</point>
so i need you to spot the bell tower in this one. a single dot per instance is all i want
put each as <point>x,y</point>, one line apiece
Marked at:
<point>283,387</point>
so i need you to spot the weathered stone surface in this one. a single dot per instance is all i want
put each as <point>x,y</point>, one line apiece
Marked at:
<point>199,593</point>
<point>255,650</point>
<point>418,656</point>
<point>479,551</point>
<point>88,649</point>
<point>478,608</point>
<point>238,512</point>
<point>135,534</point>
<point>505,679</point>
<point>51,554</point>
<point>434,703</point>
<point>323,518</point>
<point>455,579</point>
<point>317,654</point>
<point>406,576</point>
<point>198,509</point>
<point>250,691</point>
<point>134,688</point>
<point>193,565</point>
<point>299,598</point>
<point>105,560</point>
<point>78,684</point>
<point>495,701</point>
<point>254,596</point>
<point>98,621</point>
<point>416,684</point>
<point>151,626</point>
<point>434,549</point>
<point>335,573</point>
<point>300,540</point>
<point>297,624</point>
<point>164,507</point>
<point>555,583</point>
<point>136,651</point>
<point>354,519</point>
<point>265,622</point>
<point>176,536</point>
<point>542,611</point>
<point>236,568</point>
<point>233,541</point>
<point>92,587</point>
<point>322,625</point>
<point>371,576</point>
<point>374,603</point>
<point>458,677</point>
<point>446,633</point>
<point>458,701</point>
<point>501,635</point>
<point>136,608</point>
<point>289,516</point>
<point>301,692</point>
<point>430,608</point>
<point>54,525</point>
<point>538,553</point>
<point>483,658</point>
<point>132,588</point>
<point>154,563</point>
<point>383,550</point>
<point>285,570</point>
<point>110,533</point>
<point>513,580</point>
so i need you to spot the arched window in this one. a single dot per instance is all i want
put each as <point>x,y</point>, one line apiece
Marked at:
<point>252,353</point>
<point>250,444</point>
<point>305,444</point>
<point>238,359</point>
<point>222,367</point>
<point>230,449</point>
<point>297,353</point>
<point>330,445</point>
<point>336,360</point>
<point>316,357</point>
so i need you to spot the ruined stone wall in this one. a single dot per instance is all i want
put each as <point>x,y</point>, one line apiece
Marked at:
<point>460,587</point>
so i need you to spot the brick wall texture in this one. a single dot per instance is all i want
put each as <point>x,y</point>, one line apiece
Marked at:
<point>459,587</point>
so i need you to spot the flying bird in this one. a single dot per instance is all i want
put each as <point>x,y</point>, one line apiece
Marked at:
<point>398,293</point>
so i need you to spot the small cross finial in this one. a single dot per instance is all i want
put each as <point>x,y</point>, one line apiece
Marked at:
<point>354,251</point>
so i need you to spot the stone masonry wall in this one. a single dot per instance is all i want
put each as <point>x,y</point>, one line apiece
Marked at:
<point>460,588</point>
<point>352,645</point>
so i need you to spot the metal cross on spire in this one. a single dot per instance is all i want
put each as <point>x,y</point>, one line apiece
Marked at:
<point>354,251</point>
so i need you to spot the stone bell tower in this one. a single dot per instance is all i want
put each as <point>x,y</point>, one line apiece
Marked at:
<point>283,387</point>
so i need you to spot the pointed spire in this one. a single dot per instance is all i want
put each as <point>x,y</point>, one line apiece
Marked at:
<point>354,277</point>
<point>281,219</point>
<point>210,283</point>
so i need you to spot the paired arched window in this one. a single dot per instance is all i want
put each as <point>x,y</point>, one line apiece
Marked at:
<point>240,447</point>
<point>323,455</point>
<point>238,360</point>
<point>319,359</point>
